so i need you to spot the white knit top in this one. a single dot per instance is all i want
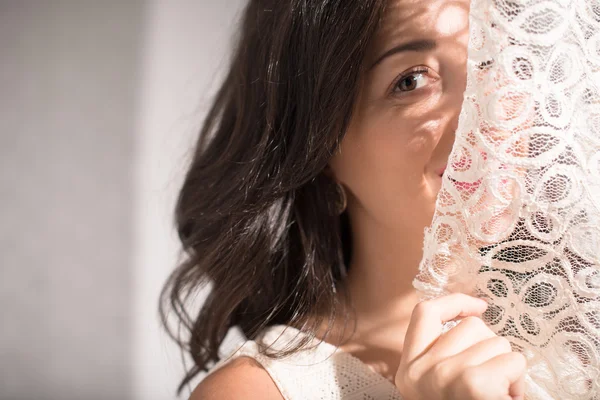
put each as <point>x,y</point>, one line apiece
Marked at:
<point>323,372</point>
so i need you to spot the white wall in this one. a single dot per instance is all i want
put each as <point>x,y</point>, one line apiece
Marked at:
<point>186,47</point>
<point>68,94</point>
<point>100,102</point>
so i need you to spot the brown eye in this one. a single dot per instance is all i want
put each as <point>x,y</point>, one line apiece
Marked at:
<point>415,79</point>
<point>409,83</point>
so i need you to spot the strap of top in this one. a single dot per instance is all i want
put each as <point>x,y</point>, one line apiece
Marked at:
<point>323,372</point>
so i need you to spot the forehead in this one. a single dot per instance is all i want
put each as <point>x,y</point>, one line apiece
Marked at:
<point>406,20</point>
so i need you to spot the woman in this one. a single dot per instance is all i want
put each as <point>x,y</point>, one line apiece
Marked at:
<point>314,177</point>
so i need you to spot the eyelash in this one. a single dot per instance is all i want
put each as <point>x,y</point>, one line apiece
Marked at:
<point>415,71</point>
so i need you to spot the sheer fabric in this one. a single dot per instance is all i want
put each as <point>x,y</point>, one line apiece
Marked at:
<point>517,220</point>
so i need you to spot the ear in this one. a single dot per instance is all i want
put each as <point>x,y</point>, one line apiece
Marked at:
<point>328,172</point>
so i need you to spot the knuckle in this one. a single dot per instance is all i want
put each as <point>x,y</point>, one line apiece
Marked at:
<point>469,377</point>
<point>502,343</point>
<point>409,379</point>
<point>442,372</point>
<point>424,308</point>
<point>408,376</point>
<point>518,360</point>
<point>471,382</point>
<point>475,325</point>
<point>478,327</point>
<point>412,375</point>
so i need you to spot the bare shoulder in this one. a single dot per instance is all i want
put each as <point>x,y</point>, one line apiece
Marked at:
<point>241,378</point>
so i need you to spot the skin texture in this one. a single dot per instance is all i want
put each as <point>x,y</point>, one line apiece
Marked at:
<point>391,163</point>
<point>241,378</point>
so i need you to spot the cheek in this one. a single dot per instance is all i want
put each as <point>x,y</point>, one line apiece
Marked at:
<point>396,153</point>
<point>421,141</point>
<point>383,164</point>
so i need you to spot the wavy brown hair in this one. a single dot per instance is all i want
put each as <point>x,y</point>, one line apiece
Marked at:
<point>254,215</point>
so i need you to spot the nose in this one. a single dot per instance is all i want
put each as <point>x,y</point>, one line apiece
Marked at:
<point>454,88</point>
<point>455,83</point>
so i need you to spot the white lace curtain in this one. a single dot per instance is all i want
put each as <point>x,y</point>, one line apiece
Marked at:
<point>518,217</point>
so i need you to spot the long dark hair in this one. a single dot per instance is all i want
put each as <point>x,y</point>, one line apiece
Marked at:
<point>254,214</point>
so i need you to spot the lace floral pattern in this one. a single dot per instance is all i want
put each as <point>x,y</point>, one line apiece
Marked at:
<point>518,217</point>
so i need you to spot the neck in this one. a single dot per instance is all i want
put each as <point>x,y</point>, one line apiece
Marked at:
<point>384,263</point>
<point>379,283</point>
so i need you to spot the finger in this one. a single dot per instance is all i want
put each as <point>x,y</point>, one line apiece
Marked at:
<point>467,333</point>
<point>428,316</point>
<point>517,389</point>
<point>479,353</point>
<point>509,369</point>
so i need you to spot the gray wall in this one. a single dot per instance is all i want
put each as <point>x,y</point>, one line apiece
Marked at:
<point>100,102</point>
<point>68,84</point>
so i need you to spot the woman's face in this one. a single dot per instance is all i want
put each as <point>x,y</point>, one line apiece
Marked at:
<point>392,158</point>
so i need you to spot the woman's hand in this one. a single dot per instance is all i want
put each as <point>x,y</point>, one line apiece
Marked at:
<point>469,362</point>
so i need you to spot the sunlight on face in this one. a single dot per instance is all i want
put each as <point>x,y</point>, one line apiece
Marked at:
<point>452,21</point>
<point>394,153</point>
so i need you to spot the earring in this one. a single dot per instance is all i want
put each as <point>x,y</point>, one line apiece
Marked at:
<point>341,199</point>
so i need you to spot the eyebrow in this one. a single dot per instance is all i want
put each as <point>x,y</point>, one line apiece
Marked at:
<point>415,45</point>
